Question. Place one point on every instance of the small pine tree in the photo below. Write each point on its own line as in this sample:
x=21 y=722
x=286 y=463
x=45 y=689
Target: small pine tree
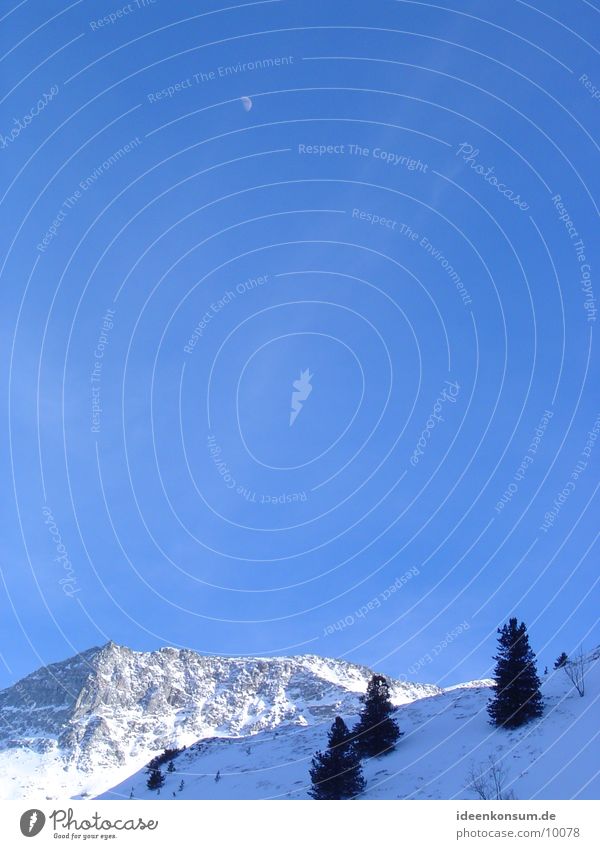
x=155 y=780
x=171 y=767
x=377 y=731
x=337 y=773
x=561 y=660
x=517 y=698
x=218 y=775
x=181 y=785
x=131 y=794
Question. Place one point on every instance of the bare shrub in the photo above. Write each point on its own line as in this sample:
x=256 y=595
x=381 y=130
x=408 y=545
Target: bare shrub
x=575 y=670
x=487 y=780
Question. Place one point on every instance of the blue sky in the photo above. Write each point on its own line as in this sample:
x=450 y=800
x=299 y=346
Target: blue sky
x=408 y=211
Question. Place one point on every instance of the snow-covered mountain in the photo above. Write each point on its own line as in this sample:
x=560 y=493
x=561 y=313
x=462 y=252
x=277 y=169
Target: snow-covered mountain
x=82 y=725
x=94 y=721
x=446 y=739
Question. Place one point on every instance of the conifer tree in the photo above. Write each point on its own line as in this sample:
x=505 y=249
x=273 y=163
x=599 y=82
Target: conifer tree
x=377 y=731
x=336 y=773
x=561 y=660
x=517 y=698
x=171 y=767
x=155 y=780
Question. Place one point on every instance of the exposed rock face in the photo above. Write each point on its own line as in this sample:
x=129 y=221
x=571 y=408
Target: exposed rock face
x=111 y=708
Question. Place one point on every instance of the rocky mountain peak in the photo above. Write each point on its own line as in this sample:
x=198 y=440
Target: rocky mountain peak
x=111 y=706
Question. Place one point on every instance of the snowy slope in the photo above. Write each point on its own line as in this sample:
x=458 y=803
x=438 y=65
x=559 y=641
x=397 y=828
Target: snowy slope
x=84 y=724
x=446 y=735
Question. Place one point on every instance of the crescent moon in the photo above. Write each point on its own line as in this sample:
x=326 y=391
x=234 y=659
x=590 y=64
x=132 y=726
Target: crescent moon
x=246 y=103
